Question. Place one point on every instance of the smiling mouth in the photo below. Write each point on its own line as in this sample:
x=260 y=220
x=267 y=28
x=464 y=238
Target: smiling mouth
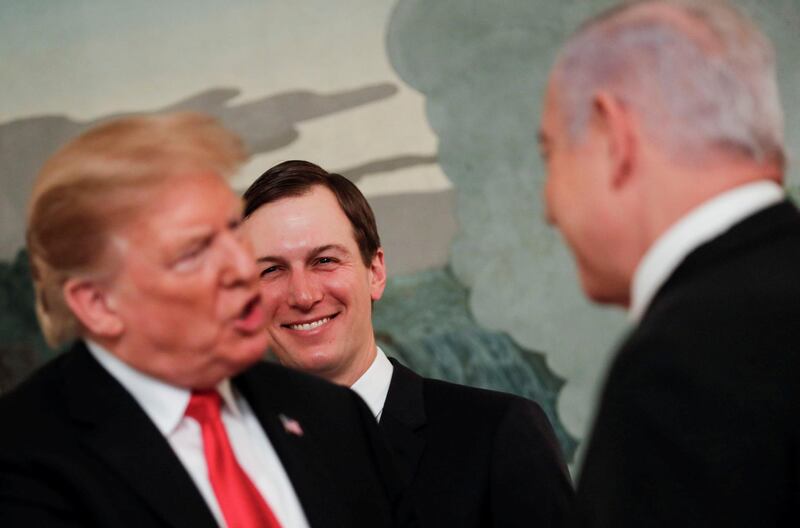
x=310 y=325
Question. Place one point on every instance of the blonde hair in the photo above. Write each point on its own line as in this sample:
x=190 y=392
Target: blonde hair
x=95 y=183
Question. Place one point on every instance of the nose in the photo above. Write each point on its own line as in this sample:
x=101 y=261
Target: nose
x=304 y=291
x=239 y=266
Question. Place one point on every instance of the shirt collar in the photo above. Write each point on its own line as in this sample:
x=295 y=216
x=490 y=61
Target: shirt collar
x=700 y=225
x=163 y=403
x=373 y=385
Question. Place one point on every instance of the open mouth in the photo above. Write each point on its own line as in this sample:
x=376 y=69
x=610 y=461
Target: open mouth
x=251 y=317
x=249 y=307
x=307 y=326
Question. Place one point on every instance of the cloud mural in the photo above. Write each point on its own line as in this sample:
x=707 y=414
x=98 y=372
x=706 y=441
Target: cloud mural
x=482 y=67
x=265 y=124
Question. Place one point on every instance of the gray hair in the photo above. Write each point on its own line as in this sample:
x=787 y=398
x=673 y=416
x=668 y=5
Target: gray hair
x=699 y=74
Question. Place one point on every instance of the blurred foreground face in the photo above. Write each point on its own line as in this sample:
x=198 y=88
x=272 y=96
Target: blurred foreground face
x=317 y=291
x=187 y=287
x=578 y=200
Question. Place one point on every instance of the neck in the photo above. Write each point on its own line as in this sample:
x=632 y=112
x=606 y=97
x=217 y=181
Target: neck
x=669 y=193
x=361 y=363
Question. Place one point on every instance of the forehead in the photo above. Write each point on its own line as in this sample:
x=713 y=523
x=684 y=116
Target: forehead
x=183 y=204
x=306 y=221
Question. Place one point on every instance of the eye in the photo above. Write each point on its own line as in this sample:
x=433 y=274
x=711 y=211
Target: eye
x=194 y=251
x=267 y=271
x=327 y=260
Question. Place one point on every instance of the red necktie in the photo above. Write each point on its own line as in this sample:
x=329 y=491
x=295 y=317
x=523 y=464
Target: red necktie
x=240 y=501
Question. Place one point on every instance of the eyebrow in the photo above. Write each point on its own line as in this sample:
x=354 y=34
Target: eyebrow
x=185 y=237
x=311 y=254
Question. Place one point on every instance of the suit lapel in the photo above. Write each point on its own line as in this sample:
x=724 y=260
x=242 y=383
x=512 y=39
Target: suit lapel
x=119 y=432
x=403 y=421
x=295 y=451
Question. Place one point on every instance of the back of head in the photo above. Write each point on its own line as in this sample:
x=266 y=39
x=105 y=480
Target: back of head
x=296 y=178
x=698 y=74
x=95 y=184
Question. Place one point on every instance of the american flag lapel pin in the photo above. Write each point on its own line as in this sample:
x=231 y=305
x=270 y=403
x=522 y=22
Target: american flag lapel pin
x=290 y=425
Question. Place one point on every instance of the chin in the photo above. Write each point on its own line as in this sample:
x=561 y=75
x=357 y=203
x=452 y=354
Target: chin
x=250 y=352
x=603 y=292
x=318 y=363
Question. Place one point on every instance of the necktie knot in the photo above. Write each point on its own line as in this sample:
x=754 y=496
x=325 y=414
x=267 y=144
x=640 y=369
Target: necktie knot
x=204 y=406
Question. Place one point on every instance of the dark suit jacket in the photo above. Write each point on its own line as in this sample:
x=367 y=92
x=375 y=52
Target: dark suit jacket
x=77 y=450
x=473 y=457
x=699 y=424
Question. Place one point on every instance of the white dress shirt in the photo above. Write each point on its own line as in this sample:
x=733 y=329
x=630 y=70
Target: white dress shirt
x=700 y=225
x=373 y=385
x=166 y=404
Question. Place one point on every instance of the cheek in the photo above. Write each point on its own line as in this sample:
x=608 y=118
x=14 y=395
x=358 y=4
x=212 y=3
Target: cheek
x=559 y=191
x=346 y=288
x=273 y=295
x=192 y=301
x=549 y=202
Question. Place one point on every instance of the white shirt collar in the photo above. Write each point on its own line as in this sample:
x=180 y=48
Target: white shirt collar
x=373 y=385
x=700 y=225
x=163 y=403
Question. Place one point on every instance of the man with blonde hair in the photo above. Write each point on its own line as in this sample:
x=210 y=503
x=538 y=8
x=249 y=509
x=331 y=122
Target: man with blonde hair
x=662 y=137
x=160 y=413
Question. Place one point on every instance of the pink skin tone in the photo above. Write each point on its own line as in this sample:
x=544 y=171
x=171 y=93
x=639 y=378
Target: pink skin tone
x=586 y=196
x=317 y=291
x=614 y=192
x=184 y=304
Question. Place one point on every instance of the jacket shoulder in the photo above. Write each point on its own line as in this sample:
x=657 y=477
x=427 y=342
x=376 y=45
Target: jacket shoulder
x=462 y=401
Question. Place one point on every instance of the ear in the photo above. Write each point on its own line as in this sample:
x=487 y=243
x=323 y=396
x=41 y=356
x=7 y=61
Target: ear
x=90 y=304
x=377 y=275
x=616 y=121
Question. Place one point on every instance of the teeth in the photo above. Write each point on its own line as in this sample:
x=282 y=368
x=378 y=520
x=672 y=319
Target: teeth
x=310 y=326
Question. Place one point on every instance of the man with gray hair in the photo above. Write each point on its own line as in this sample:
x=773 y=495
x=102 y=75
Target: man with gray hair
x=662 y=137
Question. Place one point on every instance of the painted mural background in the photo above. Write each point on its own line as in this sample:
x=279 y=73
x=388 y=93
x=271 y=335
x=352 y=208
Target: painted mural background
x=431 y=107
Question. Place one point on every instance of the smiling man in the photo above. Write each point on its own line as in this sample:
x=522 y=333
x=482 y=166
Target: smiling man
x=470 y=457
x=160 y=413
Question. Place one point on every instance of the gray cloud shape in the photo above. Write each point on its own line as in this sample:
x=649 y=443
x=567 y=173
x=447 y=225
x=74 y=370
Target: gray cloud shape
x=482 y=67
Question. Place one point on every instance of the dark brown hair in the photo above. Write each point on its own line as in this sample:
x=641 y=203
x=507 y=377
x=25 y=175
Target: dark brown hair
x=296 y=178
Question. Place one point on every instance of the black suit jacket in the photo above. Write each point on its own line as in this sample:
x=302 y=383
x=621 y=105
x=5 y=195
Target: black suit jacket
x=473 y=457
x=77 y=450
x=699 y=424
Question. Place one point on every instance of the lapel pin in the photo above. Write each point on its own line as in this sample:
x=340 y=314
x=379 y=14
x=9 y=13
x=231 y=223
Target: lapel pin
x=290 y=425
